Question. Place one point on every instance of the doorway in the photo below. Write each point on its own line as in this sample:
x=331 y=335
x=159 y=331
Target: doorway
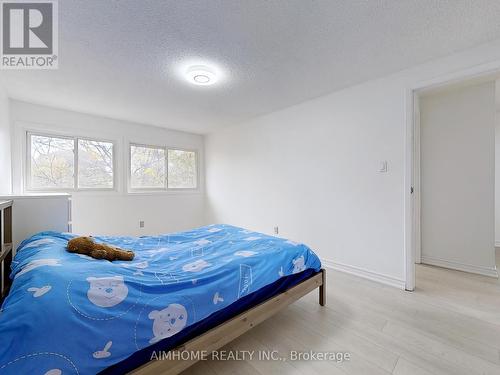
x=453 y=181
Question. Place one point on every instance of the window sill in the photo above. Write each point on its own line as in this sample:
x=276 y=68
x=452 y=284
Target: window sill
x=165 y=192
x=104 y=193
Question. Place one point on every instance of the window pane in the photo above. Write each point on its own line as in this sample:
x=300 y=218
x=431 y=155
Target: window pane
x=52 y=162
x=95 y=164
x=147 y=166
x=181 y=169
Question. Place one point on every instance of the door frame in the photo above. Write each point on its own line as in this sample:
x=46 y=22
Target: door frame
x=412 y=198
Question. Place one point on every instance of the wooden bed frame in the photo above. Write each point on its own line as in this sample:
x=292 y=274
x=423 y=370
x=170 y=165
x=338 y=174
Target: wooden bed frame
x=226 y=332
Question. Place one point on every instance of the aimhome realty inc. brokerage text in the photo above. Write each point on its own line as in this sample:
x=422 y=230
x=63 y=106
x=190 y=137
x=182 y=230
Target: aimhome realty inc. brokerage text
x=248 y=355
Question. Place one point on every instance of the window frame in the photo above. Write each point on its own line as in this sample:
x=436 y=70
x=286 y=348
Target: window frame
x=165 y=188
x=75 y=139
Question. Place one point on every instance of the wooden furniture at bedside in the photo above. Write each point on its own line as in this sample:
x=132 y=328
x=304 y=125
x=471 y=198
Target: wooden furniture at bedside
x=5 y=246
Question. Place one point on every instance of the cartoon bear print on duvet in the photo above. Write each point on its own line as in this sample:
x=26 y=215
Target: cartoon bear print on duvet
x=106 y=291
x=196 y=266
x=299 y=264
x=168 y=322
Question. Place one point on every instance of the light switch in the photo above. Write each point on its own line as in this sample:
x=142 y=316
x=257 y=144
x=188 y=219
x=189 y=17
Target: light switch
x=383 y=166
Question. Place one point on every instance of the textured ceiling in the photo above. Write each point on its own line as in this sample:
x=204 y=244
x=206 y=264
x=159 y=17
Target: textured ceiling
x=121 y=58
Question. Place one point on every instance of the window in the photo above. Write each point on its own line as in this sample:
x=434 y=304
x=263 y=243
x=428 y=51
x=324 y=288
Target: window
x=53 y=161
x=95 y=164
x=181 y=169
x=147 y=167
x=159 y=168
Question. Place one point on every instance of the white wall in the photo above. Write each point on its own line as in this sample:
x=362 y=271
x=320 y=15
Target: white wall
x=458 y=178
x=115 y=212
x=312 y=169
x=5 y=135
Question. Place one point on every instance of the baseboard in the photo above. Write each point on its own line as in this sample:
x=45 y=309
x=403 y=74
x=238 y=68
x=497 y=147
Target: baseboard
x=364 y=273
x=480 y=270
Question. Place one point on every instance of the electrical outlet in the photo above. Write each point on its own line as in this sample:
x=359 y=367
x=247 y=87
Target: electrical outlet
x=276 y=230
x=141 y=224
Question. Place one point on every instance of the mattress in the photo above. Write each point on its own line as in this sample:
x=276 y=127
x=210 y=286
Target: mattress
x=68 y=313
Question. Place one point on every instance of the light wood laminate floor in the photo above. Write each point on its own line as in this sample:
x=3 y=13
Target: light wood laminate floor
x=449 y=325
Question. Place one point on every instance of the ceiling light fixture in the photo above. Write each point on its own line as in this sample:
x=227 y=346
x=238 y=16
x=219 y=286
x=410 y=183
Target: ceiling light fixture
x=201 y=75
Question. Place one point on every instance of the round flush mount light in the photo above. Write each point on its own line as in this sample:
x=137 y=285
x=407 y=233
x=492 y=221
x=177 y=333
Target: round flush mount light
x=201 y=75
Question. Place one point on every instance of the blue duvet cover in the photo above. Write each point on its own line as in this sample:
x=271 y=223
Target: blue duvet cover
x=71 y=314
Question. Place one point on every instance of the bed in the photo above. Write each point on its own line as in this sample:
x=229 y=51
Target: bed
x=195 y=290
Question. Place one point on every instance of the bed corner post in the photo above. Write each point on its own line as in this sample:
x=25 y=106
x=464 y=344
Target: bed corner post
x=322 y=288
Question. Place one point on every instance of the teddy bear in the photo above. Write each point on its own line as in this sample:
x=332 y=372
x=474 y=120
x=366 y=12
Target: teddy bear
x=87 y=246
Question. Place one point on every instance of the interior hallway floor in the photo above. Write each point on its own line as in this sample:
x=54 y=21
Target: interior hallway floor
x=449 y=325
